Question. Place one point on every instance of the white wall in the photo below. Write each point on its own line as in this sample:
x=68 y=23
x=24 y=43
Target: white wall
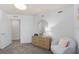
x=27 y=29
x=37 y=19
x=61 y=24
x=5 y=30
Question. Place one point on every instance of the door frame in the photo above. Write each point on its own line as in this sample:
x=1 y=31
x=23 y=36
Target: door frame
x=19 y=20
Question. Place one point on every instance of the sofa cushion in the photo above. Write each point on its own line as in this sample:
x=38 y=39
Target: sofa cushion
x=63 y=42
x=57 y=49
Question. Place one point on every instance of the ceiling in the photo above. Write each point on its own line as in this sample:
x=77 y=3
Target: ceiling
x=32 y=8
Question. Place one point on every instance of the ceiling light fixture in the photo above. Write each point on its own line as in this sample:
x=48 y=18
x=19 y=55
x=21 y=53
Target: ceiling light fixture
x=20 y=6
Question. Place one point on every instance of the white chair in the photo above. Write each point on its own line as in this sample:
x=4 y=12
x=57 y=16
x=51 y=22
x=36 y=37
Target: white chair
x=70 y=49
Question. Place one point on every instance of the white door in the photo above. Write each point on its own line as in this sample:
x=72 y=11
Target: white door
x=15 y=29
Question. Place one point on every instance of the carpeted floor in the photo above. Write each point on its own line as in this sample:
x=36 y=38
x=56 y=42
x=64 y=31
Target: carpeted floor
x=17 y=48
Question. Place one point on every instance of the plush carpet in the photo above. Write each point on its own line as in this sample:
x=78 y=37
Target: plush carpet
x=18 y=48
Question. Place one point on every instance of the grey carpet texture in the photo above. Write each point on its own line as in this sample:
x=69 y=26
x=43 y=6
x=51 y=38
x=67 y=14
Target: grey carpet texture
x=17 y=48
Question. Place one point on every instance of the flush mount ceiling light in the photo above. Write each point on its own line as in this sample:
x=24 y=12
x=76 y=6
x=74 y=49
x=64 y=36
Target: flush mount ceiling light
x=20 y=6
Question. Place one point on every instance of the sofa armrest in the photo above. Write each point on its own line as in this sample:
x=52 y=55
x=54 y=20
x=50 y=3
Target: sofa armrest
x=54 y=42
